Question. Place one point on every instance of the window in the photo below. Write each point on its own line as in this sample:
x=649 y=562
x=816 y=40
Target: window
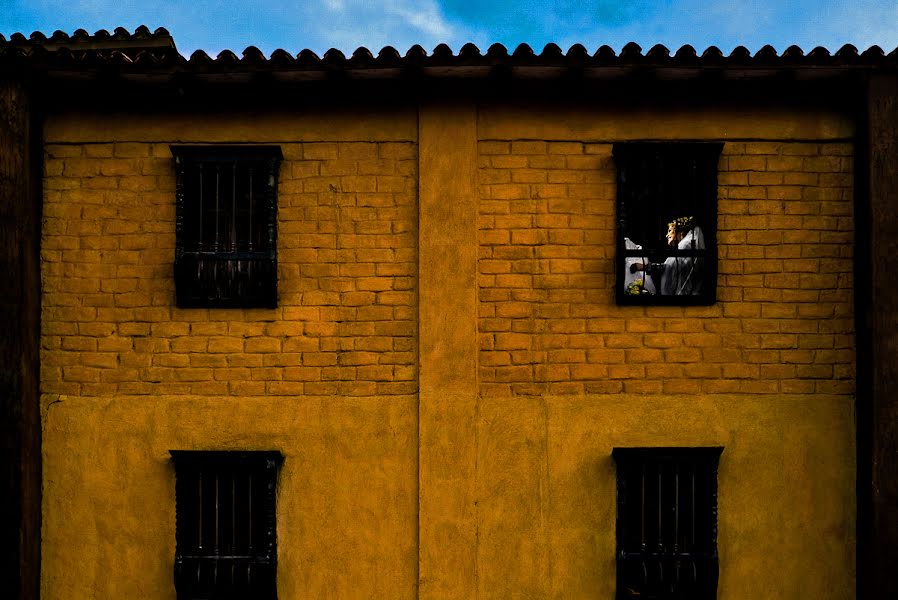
x=226 y=541
x=667 y=222
x=226 y=248
x=667 y=523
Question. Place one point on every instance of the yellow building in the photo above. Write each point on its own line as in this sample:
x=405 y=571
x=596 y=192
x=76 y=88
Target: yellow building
x=445 y=355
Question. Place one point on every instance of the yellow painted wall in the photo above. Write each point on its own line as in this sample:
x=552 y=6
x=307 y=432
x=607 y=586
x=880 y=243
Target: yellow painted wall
x=447 y=373
x=328 y=378
x=565 y=375
x=346 y=502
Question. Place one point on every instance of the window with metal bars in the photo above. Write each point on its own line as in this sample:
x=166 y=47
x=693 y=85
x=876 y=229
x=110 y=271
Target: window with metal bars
x=667 y=523
x=226 y=540
x=226 y=247
x=666 y=222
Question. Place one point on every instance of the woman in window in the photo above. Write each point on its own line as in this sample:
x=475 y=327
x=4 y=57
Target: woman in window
x=679 y=275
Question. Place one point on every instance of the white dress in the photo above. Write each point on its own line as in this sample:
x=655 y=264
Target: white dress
x=684 y=275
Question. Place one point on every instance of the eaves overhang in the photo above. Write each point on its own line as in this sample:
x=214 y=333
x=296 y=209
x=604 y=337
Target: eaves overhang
x=153 y=54
x=124 y=67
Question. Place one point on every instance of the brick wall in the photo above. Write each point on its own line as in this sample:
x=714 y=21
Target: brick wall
x=347 y=262
x=547 y=319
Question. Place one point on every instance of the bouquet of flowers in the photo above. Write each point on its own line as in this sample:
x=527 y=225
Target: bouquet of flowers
x=637 y=288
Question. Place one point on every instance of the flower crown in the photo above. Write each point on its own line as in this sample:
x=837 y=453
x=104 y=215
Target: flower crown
x=683 y=224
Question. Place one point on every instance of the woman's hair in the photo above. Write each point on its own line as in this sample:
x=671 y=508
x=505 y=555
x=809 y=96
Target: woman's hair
x=682 y=225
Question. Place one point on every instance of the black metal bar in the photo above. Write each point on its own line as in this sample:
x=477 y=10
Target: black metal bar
x=250 y=236
x=642 y=508
x=665 y=252
x=199 y=504
x=200 y=238
x=217 y=198
x=271 y=207
x=233 y=243
x=660 y=524
x=249 y=520
x=226 y=256
x=693 y=507
x=216 y=515
x=233 y=513
x=221 y=557
x=666 y=555
x=676 y=538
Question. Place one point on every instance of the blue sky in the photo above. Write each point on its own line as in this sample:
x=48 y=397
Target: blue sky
x=213 y=25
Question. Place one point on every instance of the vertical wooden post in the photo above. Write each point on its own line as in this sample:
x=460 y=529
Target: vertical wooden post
x=20 y=452
x=877 y=347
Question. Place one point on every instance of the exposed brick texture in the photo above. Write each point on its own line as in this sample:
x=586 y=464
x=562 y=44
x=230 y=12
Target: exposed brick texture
x=548 y=322
x=345 y=324
x=347 y=262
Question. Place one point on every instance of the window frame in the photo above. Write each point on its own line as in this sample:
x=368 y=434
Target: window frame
x=190 y=290
x=627 y=460
x=189 y=558
x=632 y=156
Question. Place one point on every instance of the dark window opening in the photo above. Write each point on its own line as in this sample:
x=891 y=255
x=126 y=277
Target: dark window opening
x=226 y=540
x=226 y=251
x=667 y=523
x=667 y=222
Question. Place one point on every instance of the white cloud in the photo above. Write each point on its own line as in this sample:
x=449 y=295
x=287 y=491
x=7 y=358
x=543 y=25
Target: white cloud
x=378 y=23
x=212 y=25
x=347 y=24
x=425 y=16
